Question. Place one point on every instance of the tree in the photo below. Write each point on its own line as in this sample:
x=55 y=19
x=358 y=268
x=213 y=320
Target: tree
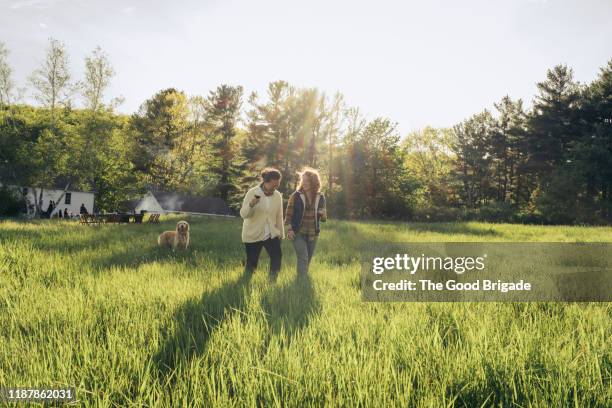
x=593 y=149
x=554 y=128
x=429 y=160
x=7 y=85
x=53 y=89
x=290 y=130
x=253 y=144
x=312 y=117
x=222 y=115
x=52 y=80
x=111 y=173
x=335 y=121
x=472 y=147
x=375 y=180
x=509 y=150
x=275 y=134
x=94 y=131
x=98 y=73
x=47 y=161
x=552 y=123
x=167 y=143
x=8 y=124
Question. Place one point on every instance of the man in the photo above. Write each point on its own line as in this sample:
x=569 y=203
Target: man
x=262 y=212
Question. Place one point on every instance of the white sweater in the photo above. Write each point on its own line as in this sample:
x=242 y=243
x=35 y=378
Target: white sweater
x=256 y=217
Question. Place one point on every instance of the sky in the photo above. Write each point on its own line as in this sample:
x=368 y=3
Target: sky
x=418 y=63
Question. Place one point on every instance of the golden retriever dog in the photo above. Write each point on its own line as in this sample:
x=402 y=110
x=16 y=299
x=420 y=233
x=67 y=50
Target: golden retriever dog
x=175 y=239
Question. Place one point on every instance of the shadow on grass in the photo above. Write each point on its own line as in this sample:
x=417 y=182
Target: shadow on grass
x=144 y=249
x=108 y=246
x=75 y=238
x=289 y=308
x=38 y=238
x=195 y=321
x=139 y=253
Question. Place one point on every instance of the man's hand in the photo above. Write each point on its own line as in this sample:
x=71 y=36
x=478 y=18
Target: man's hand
x=254 y=202
x=290 y=235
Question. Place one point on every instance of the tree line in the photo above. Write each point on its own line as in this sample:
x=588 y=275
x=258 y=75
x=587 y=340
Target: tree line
x=551 y=163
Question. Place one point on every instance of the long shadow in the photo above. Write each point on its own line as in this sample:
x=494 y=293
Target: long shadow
x=75 y=238
x=50 y=238
x=110 y=246
x=20 y=235
x=195 y=322
x=144 y=249
x=289 y=308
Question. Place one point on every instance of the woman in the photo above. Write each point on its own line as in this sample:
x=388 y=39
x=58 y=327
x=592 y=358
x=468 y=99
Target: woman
x=305 y=208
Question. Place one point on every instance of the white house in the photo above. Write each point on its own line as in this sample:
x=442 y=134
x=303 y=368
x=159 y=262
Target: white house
x=71 y=201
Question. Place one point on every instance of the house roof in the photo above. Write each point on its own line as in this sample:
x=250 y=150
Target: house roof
x=56 y=188
x=191 y=203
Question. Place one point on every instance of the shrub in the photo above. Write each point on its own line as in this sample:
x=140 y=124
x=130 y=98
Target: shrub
x=11 y=202
x=496 y=212
x=438 y=214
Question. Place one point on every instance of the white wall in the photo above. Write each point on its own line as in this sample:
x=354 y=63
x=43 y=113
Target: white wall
x=77 y=198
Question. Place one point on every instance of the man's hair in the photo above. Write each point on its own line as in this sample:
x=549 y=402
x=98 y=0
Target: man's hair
x=270 y=173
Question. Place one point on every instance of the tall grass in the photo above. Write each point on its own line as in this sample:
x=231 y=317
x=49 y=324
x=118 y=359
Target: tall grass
x=128 y=324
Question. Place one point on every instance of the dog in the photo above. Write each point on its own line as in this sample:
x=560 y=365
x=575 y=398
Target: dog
x=175 y=239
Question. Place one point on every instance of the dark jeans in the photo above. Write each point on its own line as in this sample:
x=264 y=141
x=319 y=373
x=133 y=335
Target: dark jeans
x=273 y=248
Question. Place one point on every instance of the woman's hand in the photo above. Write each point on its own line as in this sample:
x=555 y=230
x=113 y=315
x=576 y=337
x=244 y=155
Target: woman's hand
x=323 y=214
x=290 y=235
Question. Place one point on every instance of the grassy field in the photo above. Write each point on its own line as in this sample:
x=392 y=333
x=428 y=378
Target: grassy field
x=104 y=310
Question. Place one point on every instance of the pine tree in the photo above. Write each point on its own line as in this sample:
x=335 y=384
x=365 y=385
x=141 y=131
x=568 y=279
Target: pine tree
x=222 y=115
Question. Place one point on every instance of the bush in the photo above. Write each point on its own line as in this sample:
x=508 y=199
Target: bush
x=491 y=212
x=439 y=214
x=558 y=199
x=11 y=202
x=336 y=203
x=528 y=217
x=496 y=212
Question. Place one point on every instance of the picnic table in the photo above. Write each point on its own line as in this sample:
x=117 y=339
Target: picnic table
x=117 y=218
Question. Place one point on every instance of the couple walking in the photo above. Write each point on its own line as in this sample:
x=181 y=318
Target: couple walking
x=263 y=225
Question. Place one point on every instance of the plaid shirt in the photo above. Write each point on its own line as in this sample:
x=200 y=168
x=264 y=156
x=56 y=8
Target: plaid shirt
x=308 y=227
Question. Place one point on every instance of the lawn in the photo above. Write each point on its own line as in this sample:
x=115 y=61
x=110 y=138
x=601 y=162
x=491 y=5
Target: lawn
x=104 y=310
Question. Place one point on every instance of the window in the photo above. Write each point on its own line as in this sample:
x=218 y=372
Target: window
x=67 y=198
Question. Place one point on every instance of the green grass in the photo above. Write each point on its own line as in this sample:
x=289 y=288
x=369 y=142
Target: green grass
x=128 y=324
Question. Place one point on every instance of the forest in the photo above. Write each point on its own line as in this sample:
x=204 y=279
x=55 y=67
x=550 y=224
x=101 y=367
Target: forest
x=548 y=163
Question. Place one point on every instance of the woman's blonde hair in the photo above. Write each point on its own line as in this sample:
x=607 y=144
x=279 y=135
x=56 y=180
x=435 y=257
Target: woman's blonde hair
x=313 y=176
